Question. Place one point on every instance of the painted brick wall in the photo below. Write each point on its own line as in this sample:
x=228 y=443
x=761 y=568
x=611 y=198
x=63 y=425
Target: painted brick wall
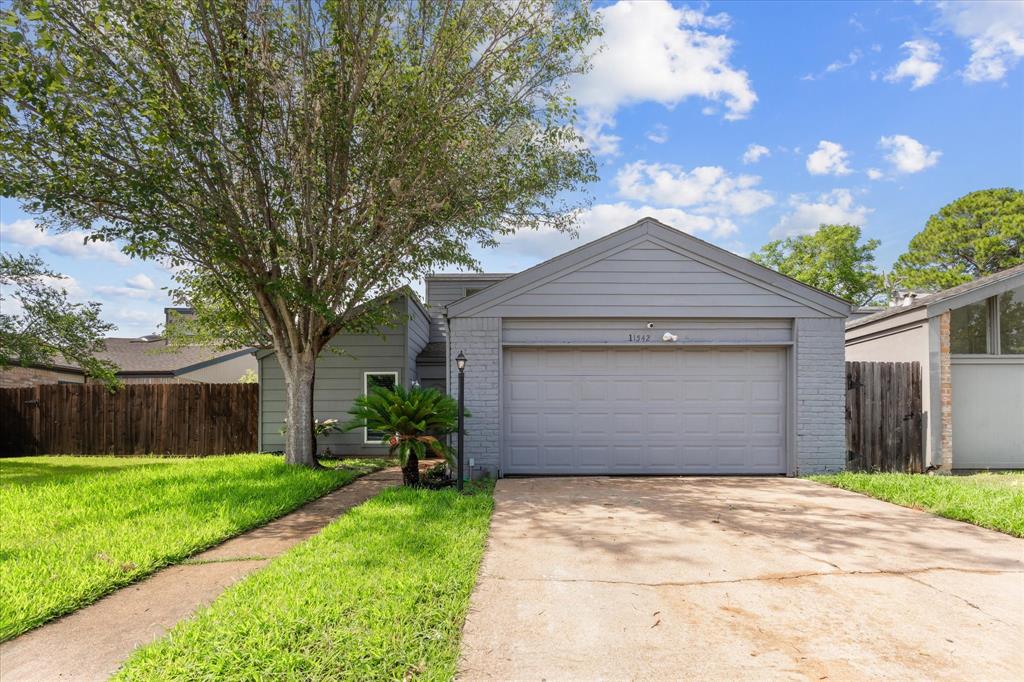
x=945 y=394
x=821 y=395
x=480 y=339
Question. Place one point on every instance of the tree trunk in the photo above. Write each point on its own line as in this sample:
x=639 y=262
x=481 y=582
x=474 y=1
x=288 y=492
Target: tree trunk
x=300 y=445
x=411 y=470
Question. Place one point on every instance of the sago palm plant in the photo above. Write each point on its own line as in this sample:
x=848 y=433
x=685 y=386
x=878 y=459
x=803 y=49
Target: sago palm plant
x=412 y=422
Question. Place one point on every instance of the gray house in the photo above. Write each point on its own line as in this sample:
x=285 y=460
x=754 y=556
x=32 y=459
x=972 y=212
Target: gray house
x=351 y=365
x=970 y=343
x=648 y=351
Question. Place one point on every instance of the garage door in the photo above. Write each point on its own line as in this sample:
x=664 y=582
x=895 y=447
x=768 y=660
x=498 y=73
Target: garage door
x=644 y=410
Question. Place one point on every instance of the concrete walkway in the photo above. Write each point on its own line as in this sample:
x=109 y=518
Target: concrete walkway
x=734 y=579
x=90 y=644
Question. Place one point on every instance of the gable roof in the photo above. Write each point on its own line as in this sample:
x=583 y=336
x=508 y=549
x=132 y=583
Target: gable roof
x=962 y=294
x=650 y=230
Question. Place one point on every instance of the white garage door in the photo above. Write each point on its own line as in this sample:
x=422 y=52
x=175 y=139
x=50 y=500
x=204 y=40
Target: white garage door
x=644 y=410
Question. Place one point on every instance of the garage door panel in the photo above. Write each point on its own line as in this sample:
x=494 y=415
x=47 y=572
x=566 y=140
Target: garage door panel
x=766 y=391
x=766 y=424
x=732 y=423
x=636 y=410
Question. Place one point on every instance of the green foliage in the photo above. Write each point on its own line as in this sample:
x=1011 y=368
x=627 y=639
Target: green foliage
x=832 y=259
x=296 y=159
x=380 y=594
x=978 y=234
x=88 y=525
x=48 y=327
x=413 y=421
x=993 y=500
x=250 y=377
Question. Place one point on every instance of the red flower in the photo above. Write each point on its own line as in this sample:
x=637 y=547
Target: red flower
x=393 y=441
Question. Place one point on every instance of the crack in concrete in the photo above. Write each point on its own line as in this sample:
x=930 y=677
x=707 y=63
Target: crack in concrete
x=769 y=578
x=963 y=599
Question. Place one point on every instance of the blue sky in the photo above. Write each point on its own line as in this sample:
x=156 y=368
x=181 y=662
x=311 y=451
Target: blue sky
x=739 y=123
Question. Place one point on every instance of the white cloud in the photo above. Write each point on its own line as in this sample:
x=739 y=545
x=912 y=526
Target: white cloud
x=138 y=287
x=658 y=134
x=25 y=233
x=875 y=174
x=755 y=152
x=594 y=136
x=995 y=31
x=907 y=155
x=852 y=58
x=829 y=159
x=807 y=215
x=654 y=52
x=708 y=190
x=922 y=64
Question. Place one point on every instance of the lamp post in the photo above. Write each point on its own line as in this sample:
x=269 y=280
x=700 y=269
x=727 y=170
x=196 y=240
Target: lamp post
x=460 y=362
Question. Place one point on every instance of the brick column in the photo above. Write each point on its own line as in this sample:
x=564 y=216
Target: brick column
x=820 y=395
x=946 y=395
x=480 y=339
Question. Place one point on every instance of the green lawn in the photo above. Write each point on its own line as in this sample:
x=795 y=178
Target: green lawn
x=76 y=528
x=380 y=594
x=992 y=500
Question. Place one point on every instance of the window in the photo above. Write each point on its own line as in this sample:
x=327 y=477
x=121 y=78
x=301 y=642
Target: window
x=372 y=380
x=471 y=291
x=1011 y=322
x=968 y=329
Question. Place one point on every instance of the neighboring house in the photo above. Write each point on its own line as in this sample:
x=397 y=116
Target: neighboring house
x=970 y=343
x=145 y=360
x=348 y=367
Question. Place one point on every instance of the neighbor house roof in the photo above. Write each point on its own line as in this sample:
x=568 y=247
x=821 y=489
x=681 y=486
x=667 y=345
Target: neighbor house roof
x=152 y=355
x=947 y=296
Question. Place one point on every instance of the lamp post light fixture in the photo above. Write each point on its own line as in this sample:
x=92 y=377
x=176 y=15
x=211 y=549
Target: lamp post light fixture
x=460 y=362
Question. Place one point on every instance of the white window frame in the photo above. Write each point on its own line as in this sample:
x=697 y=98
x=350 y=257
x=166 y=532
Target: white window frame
x=366 y=391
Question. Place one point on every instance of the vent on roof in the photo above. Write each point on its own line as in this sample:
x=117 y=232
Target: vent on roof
x=901 y=299
x=149 y=338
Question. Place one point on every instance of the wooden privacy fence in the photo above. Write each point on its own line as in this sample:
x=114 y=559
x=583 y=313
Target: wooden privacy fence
x=883 y=417
x=137 y=419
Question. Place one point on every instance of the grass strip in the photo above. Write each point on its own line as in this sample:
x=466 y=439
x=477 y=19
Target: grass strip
x=77 y=528
x=381 y=593
x=990 y=500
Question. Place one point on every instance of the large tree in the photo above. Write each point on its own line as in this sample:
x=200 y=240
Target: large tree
x=39 y=324
x=978 y=234
x=832 y=259
x=298 y=159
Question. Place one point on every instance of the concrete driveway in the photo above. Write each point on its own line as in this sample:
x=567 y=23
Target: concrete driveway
x=737 y=578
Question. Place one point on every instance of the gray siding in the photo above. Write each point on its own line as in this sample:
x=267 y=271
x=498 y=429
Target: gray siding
x=646 y=279
x=418 y=333
x=442 y=290
x=618 y=331
x=820 y=396
x=339 y=379
x=988 y=408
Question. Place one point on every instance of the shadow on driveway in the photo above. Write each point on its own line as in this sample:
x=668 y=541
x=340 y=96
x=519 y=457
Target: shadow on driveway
x=625 y=578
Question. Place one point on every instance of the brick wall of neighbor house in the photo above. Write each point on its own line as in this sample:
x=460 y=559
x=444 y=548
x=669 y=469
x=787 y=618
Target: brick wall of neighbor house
x=20 y=377
x=480 y=339
x=821 y=395
x=945 y=394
